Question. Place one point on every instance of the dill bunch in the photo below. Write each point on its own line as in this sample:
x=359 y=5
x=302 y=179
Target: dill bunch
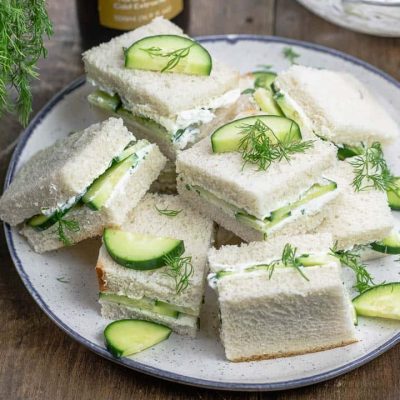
x=371 y=170
x=180 y=269
x=260 y=145
x=23 y=24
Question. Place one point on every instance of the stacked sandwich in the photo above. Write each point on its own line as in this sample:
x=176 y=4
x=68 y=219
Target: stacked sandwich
x=84 y=182
x=174 y=109
x=154 y=266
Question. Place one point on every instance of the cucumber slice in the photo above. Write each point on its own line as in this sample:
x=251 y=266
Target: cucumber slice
x=105 y=101
x=263 y=79
x=393 y=195
x=130 y=336
x=266 y=102
x=389 y=245
x=311 y=260
x=144 y=303
x=227 y=138
x=42 y=222
x=100 y=190
x=354 y=315
x=132 y=148
x=169 y=53
x=380 y=301
x=138 y=251
x=349 y=151
x=221 y=274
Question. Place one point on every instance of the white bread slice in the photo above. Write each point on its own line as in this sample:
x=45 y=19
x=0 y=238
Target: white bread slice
x=65 y=169
x=185 y=324
x=91 y=223
x=151 y=93
x=286 y=314
x=197 y=233
x=356 y=218
x=257 y=192
x=340 y=107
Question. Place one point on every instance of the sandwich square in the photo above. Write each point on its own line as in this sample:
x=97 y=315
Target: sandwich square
x=267 y=316
x=155 y=285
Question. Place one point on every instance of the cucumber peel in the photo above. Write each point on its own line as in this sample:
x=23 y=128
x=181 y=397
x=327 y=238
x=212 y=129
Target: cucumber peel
x=140 y=251
x=388 y=245
x=393 y=194
x=129 y=336
x=379 y=301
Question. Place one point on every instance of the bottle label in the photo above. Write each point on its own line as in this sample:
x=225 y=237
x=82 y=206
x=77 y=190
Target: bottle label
x=130 y=14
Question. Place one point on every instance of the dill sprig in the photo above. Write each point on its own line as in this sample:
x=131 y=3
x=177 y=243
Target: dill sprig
x=259 y=145
x=352 y=259
x=174 y=57
x=290 y=55
x=167 y=212
x=65 y=224
x=289 y=259
x=371 y=170
x=23 y=24
x=180 y=269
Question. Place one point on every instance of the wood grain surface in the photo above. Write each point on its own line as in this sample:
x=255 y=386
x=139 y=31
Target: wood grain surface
x=39 y=361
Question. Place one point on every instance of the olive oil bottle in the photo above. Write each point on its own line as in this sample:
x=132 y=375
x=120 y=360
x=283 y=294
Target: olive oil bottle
x=101 y=20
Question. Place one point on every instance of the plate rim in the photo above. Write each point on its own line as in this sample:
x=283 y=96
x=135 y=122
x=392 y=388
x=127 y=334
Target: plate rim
x=144 y=368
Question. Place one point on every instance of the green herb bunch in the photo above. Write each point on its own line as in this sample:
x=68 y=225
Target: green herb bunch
x=259 y=145
x=180 y=269
x=23 y=23
x=371 y=170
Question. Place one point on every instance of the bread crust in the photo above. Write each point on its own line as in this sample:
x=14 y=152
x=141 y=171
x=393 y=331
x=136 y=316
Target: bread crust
x=101 y=275
x=261 y=357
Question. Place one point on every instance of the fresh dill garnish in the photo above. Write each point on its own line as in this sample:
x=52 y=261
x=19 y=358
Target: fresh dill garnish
x=174 y=57
x=371 y=170
x=180 y=269
x=290 y=55
x=68 y=224
x=23 y=24
x=289 y=259
x=63 y=279
x=352 y=259
x=167 y=212
x=259 y=145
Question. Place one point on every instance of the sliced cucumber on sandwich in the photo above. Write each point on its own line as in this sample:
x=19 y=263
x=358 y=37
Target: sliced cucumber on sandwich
x=130 y=336
x=265 y=100
x=393 y=194
x=388 y=245
x=139 y=251
x=263 y=79
x=346 y=151
x=379 y=301
x=169 y=53
x=101 y=189
x=228 y=137
x=104 y=100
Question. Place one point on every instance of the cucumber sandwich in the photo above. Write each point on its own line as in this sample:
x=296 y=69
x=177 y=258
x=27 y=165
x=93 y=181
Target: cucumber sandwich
x=281 y=297
x=153 y=267
x=277 y=185
x=360 y=217
x=163 y=83
x=335 y=106
x=73 y=189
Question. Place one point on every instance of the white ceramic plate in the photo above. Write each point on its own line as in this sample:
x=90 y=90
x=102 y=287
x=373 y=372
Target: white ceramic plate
x=64 y=284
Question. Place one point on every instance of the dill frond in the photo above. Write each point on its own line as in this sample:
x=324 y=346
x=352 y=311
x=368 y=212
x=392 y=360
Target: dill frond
x=167 y=212
x=180 y=269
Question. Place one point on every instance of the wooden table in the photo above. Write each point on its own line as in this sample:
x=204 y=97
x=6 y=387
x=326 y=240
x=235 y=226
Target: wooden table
x=39 y=361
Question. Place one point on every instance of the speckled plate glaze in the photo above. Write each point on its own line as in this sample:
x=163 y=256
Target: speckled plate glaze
x=64 y=284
